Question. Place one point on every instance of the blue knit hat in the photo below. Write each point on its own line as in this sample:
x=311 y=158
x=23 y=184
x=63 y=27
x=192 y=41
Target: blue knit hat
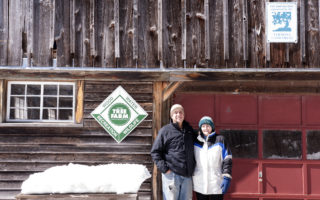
x=206 y=120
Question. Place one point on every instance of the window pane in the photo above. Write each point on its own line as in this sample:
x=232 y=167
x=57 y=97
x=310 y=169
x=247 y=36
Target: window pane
x=65 y=102
x=243 y=143
x=33 y=113
x=33 y=101
x=65 y=114
x=17 y=89
x=49 y=114
x=50 y=90
x=280 y=144
x=17 y=102
x=50 y=102
x=66 y=90
x=313 y=145
x=33 y=89
x=18 y=113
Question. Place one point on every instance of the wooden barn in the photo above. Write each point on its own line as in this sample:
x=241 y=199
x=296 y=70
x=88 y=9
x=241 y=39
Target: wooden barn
x=60 y=59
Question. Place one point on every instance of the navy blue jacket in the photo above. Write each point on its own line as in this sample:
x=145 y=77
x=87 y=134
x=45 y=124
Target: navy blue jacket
x=173 y=149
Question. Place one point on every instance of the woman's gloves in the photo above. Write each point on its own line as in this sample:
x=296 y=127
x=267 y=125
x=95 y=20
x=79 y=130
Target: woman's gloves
x=225 y=184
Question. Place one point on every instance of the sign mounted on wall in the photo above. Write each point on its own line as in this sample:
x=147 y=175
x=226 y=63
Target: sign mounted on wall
x=281 y=22
x=119 y=114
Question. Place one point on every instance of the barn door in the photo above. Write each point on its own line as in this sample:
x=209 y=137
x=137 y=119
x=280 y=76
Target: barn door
x=273 y=141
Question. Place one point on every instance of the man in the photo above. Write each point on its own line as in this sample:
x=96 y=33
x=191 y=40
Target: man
x=172 y=152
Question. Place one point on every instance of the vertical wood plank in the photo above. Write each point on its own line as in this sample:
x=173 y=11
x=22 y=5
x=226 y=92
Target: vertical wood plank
x=62 y=32
x=302 y=31
x=226 y=29
x=108 y=24
x=42 y=33
x=148 y=38
x=183 y=30
x=92 y=30
x=72 y=26
x=15 y=33
x=1 y=99
x=267 y=43
x=135 y=30
x=52 y=23
x=4 y=32
x=30 y=30
x=116 y=29
x=245 y=29
x=287 y=55
x=156 y=125
x=207 y=29
x=160 y=31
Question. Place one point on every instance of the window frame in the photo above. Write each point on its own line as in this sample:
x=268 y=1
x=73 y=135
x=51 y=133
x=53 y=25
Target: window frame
x=77 y=107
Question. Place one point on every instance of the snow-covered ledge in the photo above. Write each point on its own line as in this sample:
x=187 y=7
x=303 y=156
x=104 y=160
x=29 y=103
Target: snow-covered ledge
x=82 y=181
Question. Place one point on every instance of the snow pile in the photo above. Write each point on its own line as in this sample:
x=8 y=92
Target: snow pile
x=75 y=178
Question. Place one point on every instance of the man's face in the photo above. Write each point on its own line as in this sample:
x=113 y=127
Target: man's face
x=177 y=116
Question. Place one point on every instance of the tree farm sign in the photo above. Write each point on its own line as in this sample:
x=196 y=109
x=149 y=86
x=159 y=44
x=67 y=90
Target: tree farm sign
x=119 y=114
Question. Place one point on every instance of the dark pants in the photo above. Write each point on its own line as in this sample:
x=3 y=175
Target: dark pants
x=209 y=196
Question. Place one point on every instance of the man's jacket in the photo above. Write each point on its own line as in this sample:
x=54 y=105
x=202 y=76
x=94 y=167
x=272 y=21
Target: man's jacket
x=173 y=149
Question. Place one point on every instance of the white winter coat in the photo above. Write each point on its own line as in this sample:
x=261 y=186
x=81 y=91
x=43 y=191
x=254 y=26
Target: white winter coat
x=213 y=161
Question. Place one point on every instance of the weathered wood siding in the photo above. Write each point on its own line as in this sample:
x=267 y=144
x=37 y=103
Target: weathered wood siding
x=26 y=150
x=152 y=34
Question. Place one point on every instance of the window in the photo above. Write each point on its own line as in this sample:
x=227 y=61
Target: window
x=243 y=143
x=282 y=144
x=313 y=145
x=40 y=101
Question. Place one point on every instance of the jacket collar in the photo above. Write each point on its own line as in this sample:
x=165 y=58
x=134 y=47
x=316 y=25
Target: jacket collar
x=202 y=138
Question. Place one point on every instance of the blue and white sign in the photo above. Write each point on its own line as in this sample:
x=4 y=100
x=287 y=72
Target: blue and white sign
x=281 y=22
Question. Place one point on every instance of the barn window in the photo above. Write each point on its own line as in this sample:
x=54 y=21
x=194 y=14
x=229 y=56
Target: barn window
x=313 y=146
x=40 y=101
x=243 y=143
x=282 y=144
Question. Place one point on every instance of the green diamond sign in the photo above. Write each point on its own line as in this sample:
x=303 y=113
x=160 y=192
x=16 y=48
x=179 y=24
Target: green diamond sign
x=119 y=114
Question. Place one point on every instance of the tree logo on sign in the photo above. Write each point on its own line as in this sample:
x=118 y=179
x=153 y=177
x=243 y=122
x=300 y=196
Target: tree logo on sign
x=119 y=114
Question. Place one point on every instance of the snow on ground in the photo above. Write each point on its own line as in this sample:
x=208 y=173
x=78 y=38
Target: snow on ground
x=76 y=178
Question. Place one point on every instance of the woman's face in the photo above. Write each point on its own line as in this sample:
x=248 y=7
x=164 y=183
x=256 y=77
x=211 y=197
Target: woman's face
x=206 y=129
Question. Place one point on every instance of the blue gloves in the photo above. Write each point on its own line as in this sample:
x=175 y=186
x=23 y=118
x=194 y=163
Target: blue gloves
x=225 y=184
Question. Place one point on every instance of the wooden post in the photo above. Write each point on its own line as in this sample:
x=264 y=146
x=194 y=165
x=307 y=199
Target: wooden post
x=157 y=123
x=79 y=108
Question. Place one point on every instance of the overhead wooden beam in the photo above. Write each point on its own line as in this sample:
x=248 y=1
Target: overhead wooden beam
x=170 y=89
x=129 y=74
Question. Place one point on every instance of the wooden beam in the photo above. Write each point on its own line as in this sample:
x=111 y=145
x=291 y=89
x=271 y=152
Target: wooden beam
x=157 y=123
x=235 y=87
x=129 y=74
x=170 y=89
x=80 y=99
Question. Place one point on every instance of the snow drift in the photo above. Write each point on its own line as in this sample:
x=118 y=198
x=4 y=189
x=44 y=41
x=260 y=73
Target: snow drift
x=75 y=178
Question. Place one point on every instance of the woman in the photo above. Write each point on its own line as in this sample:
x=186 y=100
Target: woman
x=212 y=175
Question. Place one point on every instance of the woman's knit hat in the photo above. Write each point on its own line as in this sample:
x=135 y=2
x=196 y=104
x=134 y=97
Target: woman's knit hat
x=206 y=120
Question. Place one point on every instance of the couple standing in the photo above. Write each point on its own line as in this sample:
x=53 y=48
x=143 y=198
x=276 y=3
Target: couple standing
x=189 y=162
